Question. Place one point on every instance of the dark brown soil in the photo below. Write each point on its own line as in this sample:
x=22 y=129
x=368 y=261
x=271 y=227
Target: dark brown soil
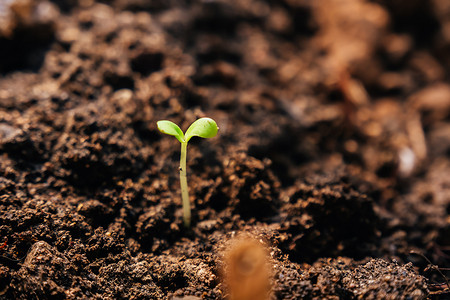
x=333 y=148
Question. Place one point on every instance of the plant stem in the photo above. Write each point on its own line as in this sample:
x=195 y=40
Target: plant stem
x=184 y=187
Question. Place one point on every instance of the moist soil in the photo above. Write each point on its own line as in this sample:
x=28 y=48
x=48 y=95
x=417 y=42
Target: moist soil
x=333 y=148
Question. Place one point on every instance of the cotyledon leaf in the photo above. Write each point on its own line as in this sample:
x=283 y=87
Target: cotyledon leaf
x=170 y=128
x=204 y=128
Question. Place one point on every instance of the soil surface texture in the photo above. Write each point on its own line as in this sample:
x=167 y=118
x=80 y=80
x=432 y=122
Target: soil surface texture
x=329 y=177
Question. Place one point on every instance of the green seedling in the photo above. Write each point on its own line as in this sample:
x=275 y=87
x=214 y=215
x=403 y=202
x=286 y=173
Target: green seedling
x=204 y=128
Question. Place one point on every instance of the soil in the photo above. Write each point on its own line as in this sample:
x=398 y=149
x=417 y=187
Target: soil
x=333 y=148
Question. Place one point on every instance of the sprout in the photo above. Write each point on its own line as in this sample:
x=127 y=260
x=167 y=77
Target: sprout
x=204 y=128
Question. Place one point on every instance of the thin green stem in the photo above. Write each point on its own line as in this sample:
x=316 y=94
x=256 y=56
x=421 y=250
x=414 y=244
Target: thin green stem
x=184 y=187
